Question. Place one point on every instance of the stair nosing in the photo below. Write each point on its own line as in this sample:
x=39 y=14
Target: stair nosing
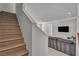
x=12 y=47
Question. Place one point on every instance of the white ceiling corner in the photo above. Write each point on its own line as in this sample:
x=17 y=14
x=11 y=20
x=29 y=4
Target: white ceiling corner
x=47 y=12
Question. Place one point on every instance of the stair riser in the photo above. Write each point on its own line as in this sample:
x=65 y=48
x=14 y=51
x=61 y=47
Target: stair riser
x=13 y=52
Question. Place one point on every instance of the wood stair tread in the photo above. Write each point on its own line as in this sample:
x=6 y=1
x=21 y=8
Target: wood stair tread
x=18 y=51
x=2 y=26
x=9 y=39
x=13 y=34
x=6 y=33
x=9 y=36
x=8 y=23
x=8 y=20
x=23 y=53
x=15 y=46
x=9 y=28
x=10 y=43
x=10 y=33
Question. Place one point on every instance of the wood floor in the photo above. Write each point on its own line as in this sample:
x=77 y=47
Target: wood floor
x=11 y=40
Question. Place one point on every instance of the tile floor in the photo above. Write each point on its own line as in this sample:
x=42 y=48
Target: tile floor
x=53 y=52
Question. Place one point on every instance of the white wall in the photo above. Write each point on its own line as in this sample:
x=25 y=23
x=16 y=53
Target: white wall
x=39 y=42
x=77 y=40
x=0 y=6
x=9 y=7
x=25 y=26
x=72 y=28
x=51 y=29
x=47 y=28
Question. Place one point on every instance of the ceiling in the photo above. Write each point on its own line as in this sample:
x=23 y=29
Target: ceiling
x=44 y=12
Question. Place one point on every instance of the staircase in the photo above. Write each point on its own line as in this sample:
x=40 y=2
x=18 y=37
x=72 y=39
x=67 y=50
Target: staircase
x=11 y=40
